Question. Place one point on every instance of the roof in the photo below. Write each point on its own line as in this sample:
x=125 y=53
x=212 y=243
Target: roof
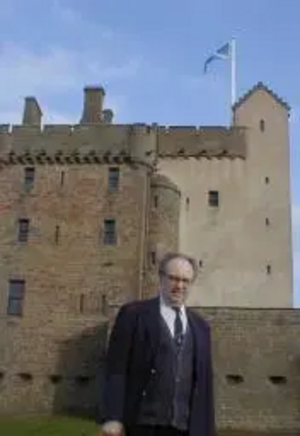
x=257 y=87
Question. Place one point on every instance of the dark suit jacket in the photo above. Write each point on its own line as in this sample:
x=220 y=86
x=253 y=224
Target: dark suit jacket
x=130 y=364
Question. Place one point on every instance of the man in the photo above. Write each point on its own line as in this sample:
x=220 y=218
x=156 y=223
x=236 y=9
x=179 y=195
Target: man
x=158 y=377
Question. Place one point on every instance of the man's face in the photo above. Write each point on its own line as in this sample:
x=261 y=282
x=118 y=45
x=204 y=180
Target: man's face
x=176 y=281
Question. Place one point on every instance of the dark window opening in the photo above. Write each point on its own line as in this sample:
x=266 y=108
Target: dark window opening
x=187 y=202
x=62 y=178
x=55 y=379
x=269 y=269
x=1 y=375
x=153 y=257
x=278 y=379
x=16 y=295
x=23 y=229
x=234 y=379
x=267 y=222
x=113 y=178
x=200 y=263
x=156 y=201
x=104 y=304
x=110 y=236
x=25 y=376
x=57 y=234
x=83 y=379
x=29 y=177
x=213 y=198
x=267 y=180
x=262 y=125
x=81 y=303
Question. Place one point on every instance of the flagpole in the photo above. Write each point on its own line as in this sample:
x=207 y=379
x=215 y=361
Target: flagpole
x=233 y=71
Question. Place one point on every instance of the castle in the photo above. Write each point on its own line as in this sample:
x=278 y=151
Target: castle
x=86 y=211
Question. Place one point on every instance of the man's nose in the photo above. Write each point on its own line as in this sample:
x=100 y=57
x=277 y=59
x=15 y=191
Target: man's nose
x=180 y=285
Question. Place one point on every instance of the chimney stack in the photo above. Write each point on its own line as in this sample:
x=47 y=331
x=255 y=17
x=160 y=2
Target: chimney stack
x=93 y=104
x=107 y=116
x=32 y=115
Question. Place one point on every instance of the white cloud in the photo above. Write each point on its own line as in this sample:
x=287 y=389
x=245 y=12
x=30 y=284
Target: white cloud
x=57 y=73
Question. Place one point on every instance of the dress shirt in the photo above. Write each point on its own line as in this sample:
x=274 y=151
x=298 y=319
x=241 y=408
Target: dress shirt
x=168 y=314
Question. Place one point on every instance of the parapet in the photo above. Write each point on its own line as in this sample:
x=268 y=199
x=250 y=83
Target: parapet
x=186 y=141
x=97 y=136
x=140 y=143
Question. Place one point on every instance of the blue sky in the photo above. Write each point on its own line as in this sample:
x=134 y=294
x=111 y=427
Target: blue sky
x=149 y=56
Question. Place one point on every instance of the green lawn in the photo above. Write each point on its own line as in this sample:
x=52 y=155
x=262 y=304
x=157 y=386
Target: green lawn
x=47 y=427
x=51 y=426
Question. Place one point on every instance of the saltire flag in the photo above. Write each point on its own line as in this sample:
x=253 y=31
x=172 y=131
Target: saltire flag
x=223 y=53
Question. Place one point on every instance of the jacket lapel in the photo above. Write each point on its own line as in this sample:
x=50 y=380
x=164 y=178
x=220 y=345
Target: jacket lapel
x=151 y=319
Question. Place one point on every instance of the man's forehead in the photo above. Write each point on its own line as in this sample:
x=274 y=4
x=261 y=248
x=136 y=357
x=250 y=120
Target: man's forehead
x=180 y=265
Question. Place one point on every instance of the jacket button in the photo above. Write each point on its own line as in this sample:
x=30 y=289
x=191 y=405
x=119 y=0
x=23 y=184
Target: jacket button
x=153 y=371
x=144 y=393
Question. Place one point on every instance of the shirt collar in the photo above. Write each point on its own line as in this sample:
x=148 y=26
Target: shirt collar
x=164 y=305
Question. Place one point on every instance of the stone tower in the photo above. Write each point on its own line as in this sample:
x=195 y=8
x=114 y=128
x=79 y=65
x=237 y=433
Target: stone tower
x=235 y=206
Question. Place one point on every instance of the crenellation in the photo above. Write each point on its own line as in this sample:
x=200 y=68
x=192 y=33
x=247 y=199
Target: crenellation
x=198 y=142
x=143 y=142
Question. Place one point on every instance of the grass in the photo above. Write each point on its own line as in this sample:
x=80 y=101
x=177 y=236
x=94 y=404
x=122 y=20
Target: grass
x=64 y=426
x=43 y=426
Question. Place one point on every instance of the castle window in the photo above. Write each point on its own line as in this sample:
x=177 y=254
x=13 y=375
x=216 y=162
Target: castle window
x=29 y=177
x=104 y=304
x=81 y=303
x=278 y=380
x=57 y=234
x=234 y=379
x=213 y=198
x=1 y=376
x=200 y=263
x=16 y=294
x=153 y=257
x=187 y=202
x=156 y=201
x=113 y=178
x=55 y=379
x=62 y=178
x=262 y=125
x=267 y=222
x=83 y=379
x=267 y=180
x=110 y=235
x=23 y=229
x=268 y=269
x=25 y=376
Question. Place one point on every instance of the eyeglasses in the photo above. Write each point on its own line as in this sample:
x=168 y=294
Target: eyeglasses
x=176 y=279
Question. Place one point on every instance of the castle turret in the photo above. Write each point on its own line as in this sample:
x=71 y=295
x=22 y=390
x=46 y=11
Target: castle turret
x=143 y=143
x=93 y=104
x=32 y=114
x=164 y=214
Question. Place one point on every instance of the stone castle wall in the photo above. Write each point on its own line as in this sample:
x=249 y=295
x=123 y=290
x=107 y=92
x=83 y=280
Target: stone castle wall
x=255 y=354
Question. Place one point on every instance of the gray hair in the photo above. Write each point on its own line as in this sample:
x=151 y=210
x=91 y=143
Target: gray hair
x=170 y=256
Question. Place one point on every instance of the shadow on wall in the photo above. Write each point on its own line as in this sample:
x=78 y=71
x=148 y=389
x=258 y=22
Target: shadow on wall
x=78 y=378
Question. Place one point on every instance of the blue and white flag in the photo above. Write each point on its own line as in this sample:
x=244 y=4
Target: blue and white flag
x=222 y=53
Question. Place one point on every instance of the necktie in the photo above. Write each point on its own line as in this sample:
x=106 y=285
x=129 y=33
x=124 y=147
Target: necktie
x=178 y=328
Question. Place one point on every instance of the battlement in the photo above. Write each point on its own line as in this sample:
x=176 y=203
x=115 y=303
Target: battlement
x=207 y=141
x=96 y=134
x=113 y=139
